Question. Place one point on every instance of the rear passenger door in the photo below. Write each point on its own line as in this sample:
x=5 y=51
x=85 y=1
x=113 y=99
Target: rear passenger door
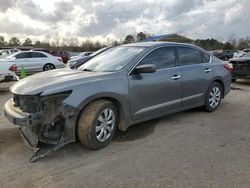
x=37 y=61
x=196 y=75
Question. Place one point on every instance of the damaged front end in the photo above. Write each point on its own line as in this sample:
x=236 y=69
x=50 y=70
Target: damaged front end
x=46 y=123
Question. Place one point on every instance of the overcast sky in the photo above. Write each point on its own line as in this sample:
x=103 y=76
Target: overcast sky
x=102 y=19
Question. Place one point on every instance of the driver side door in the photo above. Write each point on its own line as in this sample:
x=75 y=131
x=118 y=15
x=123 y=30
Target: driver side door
x=158 y=93
x=23 y=59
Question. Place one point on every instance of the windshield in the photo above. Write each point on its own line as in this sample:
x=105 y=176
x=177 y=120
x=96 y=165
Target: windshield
x=247 y=54
x=112 y=60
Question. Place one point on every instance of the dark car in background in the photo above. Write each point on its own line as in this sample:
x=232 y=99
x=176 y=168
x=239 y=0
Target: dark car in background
x=224 y=54
x=65 y=55
x=77 y=62
x=241 y=67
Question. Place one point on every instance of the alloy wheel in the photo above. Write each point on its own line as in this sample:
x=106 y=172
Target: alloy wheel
x=105 y=125
x=49 y=67
x=214 y=97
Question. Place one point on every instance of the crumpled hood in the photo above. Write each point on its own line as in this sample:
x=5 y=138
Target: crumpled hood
x=51 y=82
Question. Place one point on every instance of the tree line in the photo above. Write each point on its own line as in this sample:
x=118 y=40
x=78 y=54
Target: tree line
x=73 y=44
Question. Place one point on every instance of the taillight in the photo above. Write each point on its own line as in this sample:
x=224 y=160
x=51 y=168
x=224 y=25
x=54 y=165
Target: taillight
x=13 y=68
x=228 y=67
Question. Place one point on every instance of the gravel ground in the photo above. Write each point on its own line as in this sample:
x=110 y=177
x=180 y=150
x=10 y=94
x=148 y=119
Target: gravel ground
x=187 y=149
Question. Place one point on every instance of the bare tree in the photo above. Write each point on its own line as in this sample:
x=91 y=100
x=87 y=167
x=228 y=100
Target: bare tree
x=14 y=41
x=27 y=42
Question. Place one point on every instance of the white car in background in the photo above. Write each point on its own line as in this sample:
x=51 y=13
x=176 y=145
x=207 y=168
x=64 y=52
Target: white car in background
x=241 y=53
x=7 y=71
x=34 y=61
x=6 y=52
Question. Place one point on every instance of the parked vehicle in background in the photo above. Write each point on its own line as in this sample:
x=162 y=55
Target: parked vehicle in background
x=241 y=67
x=74 y=53
x=246 y=50
x=241 y=53
x=34 y=61
x=82 y=54
x=126 y=85
x=7 y=71
x=224 y=54
x=63 y=54
x=77 y=62
x=238 y=54
x=6 y=52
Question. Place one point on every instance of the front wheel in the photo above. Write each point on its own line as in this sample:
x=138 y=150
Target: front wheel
x=97 y=124
x=213 y=97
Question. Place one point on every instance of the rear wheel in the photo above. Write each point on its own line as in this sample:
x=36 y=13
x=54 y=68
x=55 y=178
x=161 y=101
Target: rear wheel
x=48 y=66
x=213 y=97
x=97 y=124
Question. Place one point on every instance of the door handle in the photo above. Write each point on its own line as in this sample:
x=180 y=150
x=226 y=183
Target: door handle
x=176 y=77
x=207 y=70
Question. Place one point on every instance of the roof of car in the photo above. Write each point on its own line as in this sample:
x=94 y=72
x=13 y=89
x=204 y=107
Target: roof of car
x=153 y=44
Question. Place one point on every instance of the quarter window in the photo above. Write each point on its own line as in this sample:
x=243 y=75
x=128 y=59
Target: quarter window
x=162 y=58
x=206 y=58
x=189 y=56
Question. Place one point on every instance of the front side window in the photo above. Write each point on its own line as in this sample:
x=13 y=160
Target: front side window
x=112 y=60
x=189 y=56
x=162 y=58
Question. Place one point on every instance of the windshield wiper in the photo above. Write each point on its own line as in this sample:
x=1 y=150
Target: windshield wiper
x=88 y=70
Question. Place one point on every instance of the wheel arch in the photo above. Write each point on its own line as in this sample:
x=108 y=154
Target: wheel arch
x=48 y=63
x=118 y=101
x=219 y=80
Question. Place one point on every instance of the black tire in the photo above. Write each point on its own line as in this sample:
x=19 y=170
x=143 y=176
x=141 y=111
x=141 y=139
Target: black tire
x=50 y=65
x=208 y=106
x=234 y=80
x=86 y=130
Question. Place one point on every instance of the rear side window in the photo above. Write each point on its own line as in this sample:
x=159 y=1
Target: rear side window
x=189 y=56
x=162 y=58
x=205 y=57
x=23 y=55
x=38 y=55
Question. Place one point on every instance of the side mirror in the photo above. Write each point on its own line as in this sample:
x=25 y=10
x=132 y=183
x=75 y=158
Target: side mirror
x=148 y=68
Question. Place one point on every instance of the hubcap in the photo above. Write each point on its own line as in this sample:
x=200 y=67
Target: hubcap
x=214 y=97
x=105 y=125
x=48 y=67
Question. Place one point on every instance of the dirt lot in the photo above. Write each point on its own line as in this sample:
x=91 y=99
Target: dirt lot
x=188 y=149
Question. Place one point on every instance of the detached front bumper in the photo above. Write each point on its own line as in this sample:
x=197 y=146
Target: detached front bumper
x=18 y=117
